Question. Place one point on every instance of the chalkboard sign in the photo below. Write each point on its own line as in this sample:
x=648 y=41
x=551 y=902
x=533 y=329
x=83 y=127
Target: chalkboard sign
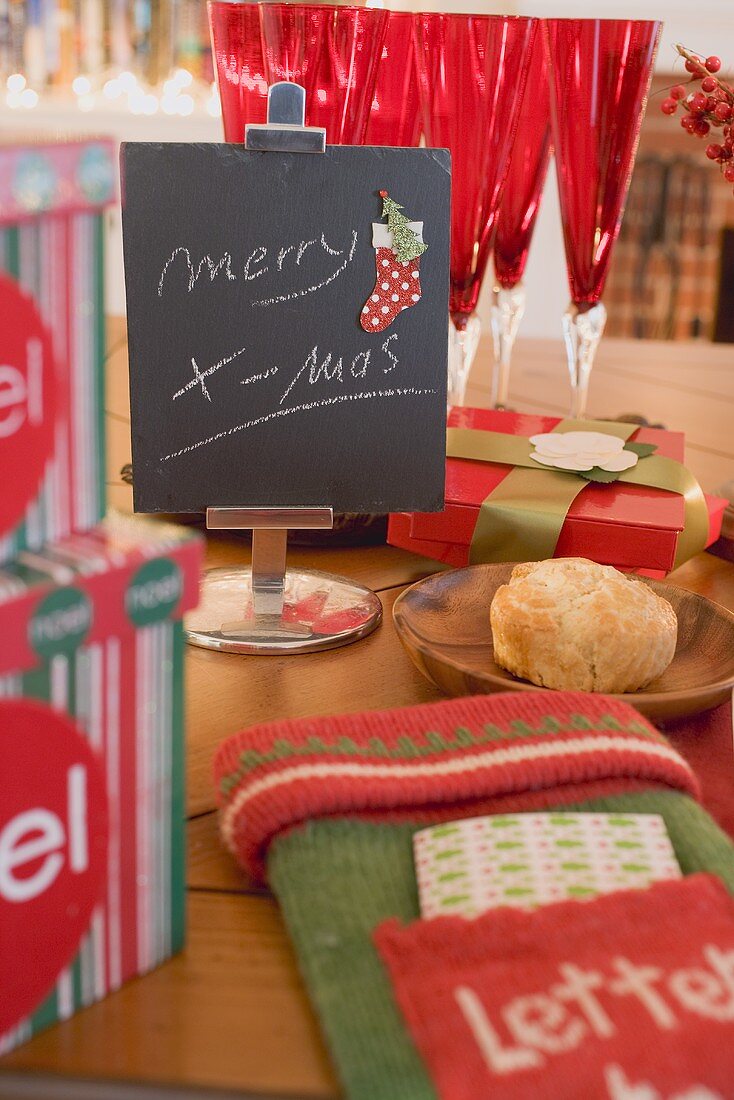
x=281 y=353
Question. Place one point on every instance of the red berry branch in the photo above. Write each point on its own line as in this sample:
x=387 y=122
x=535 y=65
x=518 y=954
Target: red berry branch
x=711 y=106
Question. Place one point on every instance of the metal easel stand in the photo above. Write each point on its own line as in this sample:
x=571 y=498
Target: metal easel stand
x=269 y=608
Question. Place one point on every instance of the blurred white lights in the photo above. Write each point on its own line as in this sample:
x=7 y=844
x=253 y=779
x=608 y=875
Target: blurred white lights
x=213 y=106
x=18 y=95
x=179 y=95
x=138 y=102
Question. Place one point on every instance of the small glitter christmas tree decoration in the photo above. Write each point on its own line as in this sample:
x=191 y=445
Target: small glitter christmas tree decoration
x=406 y=244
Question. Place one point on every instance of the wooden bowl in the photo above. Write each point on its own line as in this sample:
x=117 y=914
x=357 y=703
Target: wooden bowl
x=443 y=622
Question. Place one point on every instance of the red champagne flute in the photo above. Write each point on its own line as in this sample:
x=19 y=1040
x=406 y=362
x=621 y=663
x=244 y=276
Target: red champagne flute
x=334 y=53
x=395 y=115
x=472 y=71
x=237 y=49
x=600 y=72
x=531 y=153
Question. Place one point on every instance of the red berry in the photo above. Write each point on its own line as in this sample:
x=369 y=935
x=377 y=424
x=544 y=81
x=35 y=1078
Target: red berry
x=722 y=111
x=713 y=64
x=725 y=154
x=708 y=84
x=698 y=102
x=713 y=152
x=678 y=92
x=688 y=122
x=710 y=104
x=701 y=127
x=729 y=173
x=669 y=106
x=693 y=66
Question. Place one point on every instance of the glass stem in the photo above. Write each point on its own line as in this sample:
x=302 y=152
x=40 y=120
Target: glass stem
x=582 y=332
x=462 y=349
x=508 y=306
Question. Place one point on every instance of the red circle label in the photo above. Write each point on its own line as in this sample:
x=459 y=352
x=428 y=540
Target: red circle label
x=53 y=850
x=27 y=401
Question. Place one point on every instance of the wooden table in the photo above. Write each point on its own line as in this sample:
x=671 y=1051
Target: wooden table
x=231 y=1012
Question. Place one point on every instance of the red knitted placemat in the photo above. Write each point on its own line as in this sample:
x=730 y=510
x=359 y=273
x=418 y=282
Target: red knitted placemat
x=707 y=744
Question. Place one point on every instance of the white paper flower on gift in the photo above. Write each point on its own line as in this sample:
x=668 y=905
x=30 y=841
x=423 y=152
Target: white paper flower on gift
x=581 y=451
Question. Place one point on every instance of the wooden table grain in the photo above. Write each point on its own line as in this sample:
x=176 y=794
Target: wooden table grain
x=230 y=1012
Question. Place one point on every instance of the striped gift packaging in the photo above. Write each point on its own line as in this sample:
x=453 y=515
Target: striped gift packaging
x=52 y=201
x=92 y=627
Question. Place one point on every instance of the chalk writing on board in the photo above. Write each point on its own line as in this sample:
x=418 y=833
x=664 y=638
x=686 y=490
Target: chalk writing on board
x=317 y=286
x=386 y=349
x=317 y=367
x=331 y=368
x=199 y=376
x=254 y=267
x=410 y=391
x=207 y=262
x=259 y=377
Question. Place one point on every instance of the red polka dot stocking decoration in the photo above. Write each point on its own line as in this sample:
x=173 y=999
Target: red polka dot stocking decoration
x=398 y=247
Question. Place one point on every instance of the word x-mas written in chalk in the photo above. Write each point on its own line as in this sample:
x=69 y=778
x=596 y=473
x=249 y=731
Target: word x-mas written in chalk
x=316 y=368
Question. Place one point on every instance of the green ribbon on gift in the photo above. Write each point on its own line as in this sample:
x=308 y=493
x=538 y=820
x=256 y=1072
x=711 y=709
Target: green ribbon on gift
x=522 y=518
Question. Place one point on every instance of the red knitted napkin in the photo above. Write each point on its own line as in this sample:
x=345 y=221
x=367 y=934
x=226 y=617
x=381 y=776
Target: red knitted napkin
x=629 y=995
x=706 y=743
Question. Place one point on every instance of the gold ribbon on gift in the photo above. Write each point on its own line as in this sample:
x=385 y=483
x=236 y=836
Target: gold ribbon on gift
x=522 y=518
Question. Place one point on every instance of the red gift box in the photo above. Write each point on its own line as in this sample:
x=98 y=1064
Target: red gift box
x=632 y=527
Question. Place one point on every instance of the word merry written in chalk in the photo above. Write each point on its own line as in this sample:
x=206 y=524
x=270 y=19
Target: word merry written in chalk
x=261 y=261
x=586 y=1002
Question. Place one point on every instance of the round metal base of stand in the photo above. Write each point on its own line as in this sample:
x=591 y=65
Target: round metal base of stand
x=320 y=611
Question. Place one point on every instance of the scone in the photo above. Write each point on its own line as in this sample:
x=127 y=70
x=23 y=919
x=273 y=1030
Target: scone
x=573 y=625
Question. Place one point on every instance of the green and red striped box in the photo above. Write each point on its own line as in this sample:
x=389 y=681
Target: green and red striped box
x=91 y=627
x=52 y=201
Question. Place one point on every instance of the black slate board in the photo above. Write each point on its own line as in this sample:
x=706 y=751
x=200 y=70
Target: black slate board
x=204 y=226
